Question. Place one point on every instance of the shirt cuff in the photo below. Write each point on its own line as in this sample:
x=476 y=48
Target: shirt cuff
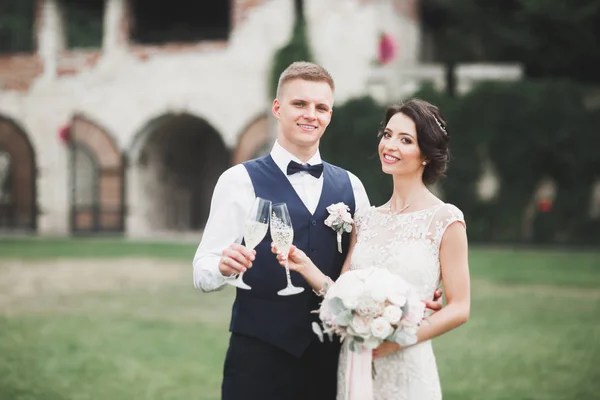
x=207 y=275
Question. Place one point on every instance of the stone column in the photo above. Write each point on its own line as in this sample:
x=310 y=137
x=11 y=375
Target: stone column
x=51 y=36
x=116 y=26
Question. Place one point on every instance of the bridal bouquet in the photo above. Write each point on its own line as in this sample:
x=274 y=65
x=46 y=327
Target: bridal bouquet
x=367 y=306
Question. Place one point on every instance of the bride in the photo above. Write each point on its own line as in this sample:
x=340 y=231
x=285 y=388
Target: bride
x=414 y=235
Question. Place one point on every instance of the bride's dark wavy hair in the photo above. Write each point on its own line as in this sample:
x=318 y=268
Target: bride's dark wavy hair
x=432 y=135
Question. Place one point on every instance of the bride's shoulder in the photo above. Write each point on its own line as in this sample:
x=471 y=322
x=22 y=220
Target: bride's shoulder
x=448 y=213
x=363 y=211
x=362 y=214
x=451 y=209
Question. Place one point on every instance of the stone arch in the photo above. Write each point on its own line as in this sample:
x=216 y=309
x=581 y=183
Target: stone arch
x=176 y=160
x=97 y=178
x=18 y=201
x=252 y=141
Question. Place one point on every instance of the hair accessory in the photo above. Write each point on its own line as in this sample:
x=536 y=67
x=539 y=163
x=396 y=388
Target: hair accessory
x=442 y=127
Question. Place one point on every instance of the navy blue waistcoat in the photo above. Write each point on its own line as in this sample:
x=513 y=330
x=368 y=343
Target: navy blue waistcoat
x=285 y=321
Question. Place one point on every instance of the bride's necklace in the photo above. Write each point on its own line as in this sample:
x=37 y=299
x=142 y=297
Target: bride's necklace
x=400 y=211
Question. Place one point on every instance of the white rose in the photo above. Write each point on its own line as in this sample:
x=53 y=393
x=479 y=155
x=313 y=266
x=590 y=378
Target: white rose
x=349 y=288
x=380 y=328
x=360 y=326
x=397 y=299
x=392 y=314
x=349 y=298
x=377 y=287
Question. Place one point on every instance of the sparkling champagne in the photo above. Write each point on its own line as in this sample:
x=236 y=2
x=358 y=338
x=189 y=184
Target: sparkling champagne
x=254 y=232
x=283 y=239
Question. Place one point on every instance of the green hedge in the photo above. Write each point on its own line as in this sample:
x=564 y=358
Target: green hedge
x=527 y=130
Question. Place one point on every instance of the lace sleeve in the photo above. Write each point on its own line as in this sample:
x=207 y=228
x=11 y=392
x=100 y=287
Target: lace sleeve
x=360 y=216
x=442 y=219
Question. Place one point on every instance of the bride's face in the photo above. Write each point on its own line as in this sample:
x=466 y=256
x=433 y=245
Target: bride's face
x=399 y=151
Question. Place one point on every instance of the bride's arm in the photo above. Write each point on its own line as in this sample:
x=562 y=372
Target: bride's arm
x=454 y=265
x=298 y=261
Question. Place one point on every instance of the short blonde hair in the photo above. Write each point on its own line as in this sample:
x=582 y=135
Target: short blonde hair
x=306 y=71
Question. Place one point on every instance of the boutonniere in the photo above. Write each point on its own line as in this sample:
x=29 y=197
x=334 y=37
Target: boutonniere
x=339 y=220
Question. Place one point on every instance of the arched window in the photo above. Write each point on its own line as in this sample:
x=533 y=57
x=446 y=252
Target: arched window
x=97 y=179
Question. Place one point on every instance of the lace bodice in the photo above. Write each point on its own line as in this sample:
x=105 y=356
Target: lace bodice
x=407 y=244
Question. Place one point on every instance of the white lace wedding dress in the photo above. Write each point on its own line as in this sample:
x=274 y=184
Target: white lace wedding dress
x=408 y=245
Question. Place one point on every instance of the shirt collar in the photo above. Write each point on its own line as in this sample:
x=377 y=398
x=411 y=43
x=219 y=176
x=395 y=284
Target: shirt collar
x=282 y=157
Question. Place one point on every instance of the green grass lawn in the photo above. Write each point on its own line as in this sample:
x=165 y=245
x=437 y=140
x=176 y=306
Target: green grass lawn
x=111 y=319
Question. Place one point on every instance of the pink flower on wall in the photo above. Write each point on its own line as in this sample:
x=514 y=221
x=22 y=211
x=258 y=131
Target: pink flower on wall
x=544 y=205
x=64 y=133
x=387 y=49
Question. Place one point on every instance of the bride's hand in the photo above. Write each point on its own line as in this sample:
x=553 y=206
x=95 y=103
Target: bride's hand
x=385 y=348
x=297 y=260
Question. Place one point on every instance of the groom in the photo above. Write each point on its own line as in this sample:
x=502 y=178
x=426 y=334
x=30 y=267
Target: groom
x=273 y=353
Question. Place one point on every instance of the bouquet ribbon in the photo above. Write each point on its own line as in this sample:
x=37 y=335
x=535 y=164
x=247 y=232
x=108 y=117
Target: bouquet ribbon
x=359 y=378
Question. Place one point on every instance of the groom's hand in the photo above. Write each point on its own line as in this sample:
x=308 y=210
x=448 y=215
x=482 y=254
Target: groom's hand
x=235 y=259
x=435 y=304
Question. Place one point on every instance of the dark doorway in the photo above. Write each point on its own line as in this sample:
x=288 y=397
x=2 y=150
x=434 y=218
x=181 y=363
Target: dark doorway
x=181 y=158
x=18 y=210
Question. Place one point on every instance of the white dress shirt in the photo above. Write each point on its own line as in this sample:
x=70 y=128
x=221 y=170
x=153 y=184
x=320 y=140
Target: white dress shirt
x=232 y=199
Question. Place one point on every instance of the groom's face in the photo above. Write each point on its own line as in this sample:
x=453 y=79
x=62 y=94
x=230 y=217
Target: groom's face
x=303 y=109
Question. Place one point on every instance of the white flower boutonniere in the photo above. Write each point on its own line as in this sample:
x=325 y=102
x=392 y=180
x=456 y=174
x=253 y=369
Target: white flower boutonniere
x=339 y=220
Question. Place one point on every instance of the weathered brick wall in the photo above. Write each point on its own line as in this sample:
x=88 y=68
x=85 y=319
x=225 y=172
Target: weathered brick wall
x=18 y=71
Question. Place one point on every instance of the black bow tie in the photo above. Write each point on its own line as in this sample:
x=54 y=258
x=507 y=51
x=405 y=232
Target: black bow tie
x=314 y=170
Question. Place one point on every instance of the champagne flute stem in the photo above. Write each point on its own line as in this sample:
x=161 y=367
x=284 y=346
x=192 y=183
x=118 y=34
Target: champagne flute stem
x=287 y=273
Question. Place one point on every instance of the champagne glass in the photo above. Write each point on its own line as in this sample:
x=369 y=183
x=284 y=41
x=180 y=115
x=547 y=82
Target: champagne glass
x=282 y=234
x=255 y=228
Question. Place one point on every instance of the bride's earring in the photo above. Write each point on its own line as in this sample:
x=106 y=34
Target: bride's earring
x=424 y=163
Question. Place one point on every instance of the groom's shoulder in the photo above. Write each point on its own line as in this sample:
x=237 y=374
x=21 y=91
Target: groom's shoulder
x=233 y=175
x=256 y=161
x=335 y=167
x=343 y=170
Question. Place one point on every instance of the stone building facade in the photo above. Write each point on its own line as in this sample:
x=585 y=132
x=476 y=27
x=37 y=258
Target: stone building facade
x=131 y=136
